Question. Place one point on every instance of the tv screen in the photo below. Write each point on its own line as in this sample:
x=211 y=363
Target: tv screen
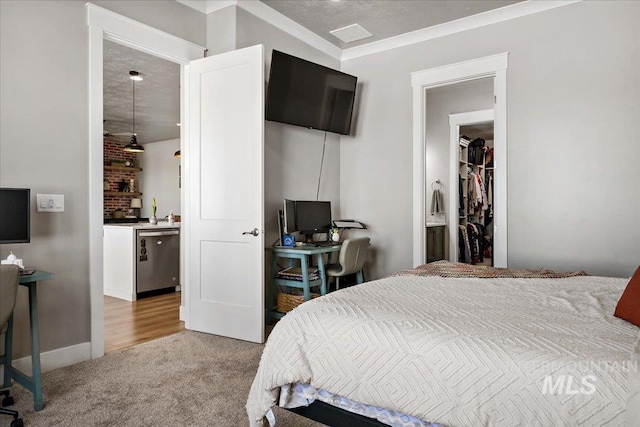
x=15 y=208
x=313 y=217
x=310 y=95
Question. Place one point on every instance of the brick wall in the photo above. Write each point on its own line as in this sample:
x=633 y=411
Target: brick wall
x=113 y=151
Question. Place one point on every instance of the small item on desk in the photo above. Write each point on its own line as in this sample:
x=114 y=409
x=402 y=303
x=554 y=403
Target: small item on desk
x=27 y=272
x=348 y=223
x=288 y=240
x=335 y=234
x=12 y=259
x=323 y=243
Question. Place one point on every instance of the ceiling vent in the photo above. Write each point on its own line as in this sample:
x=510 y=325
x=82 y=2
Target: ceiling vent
x=351 y=33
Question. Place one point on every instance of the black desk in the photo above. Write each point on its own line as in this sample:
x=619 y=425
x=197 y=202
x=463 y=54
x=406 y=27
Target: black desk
x=33 y=383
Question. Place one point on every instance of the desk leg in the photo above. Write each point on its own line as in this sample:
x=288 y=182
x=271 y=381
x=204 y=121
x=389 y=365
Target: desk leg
x=305 y=279
x=8 y=353
x=323 y=277
x=272 y=291
x=35 y=348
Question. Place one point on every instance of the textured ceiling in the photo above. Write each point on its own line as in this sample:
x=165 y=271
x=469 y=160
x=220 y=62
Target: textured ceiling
x=157 y=96
x=383 y=18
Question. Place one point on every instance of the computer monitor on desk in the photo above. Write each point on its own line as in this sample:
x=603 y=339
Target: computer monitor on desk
x=309 y=217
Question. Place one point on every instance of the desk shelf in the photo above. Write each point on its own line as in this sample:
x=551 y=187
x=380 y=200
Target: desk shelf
x=296 y=283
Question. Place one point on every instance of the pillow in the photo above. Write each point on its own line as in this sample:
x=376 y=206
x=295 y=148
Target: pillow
x=628 y=307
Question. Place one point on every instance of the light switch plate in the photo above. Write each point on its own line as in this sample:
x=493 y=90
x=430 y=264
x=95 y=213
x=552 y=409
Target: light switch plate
x=50 y=202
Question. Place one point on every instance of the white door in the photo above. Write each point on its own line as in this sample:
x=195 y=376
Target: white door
x=224 y=195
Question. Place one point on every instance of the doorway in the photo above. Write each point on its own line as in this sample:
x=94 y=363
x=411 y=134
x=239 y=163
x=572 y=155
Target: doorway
x=472 y=208
x=147 y=107
x=106 y=25
x=494 y=67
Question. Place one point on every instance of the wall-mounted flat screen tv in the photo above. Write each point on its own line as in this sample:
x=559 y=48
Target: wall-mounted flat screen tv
x=306 y=94
x=15 y=209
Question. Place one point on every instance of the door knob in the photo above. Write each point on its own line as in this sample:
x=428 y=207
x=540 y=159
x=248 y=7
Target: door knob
x=253 y=232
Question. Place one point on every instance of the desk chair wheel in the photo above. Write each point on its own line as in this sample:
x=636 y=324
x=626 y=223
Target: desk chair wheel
x=7 y=401
x=17 y=423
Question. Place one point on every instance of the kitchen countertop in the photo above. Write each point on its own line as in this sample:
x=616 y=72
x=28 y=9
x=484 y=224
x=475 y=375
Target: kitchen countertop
x=144 y=225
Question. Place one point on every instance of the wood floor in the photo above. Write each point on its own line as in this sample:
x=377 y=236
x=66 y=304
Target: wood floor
x=130 y=323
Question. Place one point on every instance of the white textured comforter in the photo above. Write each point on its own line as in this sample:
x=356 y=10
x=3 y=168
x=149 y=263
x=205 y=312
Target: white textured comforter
x=461 y=352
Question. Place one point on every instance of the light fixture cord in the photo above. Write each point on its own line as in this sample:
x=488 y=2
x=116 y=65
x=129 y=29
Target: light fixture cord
x=133 y=108
x=321 y=163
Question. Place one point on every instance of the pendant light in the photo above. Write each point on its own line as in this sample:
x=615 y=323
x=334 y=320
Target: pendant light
x=133 y=146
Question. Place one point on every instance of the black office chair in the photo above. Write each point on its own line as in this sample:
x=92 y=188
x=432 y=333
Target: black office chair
x=9 y=277
x=353 y=254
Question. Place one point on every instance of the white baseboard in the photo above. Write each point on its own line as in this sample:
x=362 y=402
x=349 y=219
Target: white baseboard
x=54 y=359
x=182 y=313
x=116 y=293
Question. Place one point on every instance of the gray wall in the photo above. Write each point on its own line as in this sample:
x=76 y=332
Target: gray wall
x=44 y=145
x=572 y=89
x=463 y=97
x=221 y=30
x=166 y=15
x=292 y=153
x=159 y=178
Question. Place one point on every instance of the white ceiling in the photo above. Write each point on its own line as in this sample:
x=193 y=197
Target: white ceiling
x=382 y=18
x=157 y=96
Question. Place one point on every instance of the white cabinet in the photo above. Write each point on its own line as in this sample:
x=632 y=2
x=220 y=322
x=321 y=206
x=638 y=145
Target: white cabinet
x=119 y=258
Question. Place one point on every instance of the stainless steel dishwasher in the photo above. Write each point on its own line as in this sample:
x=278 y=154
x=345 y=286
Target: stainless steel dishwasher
x=158 y=259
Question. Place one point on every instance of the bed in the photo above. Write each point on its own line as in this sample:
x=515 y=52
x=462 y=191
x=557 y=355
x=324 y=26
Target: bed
x=477 y=347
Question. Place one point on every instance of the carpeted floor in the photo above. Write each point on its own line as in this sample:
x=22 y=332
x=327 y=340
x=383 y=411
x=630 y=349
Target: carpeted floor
x=187 y=379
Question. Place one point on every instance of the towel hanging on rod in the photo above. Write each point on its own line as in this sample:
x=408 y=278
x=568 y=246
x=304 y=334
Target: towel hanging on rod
x=437 y=204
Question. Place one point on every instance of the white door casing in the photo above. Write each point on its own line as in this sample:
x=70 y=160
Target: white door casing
x=107 y=25
x=225 y=196
x=491 y=66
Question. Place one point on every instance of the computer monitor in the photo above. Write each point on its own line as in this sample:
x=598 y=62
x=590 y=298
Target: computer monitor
x=289 y=225
x=15 y=210
x=312 y=217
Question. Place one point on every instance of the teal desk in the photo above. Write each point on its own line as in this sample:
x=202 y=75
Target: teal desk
x=34 y=382
x=304 y=254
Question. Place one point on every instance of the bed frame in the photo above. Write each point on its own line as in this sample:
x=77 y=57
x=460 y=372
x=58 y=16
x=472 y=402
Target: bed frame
x=335 y=417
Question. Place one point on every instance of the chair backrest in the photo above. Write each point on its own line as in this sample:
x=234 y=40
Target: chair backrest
x=9 y=278
x=353 y=254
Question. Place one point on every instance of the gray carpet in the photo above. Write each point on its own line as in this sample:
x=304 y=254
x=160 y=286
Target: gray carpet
x=189 y=379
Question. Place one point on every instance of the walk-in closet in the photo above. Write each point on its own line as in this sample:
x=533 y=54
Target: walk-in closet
x=475 y=194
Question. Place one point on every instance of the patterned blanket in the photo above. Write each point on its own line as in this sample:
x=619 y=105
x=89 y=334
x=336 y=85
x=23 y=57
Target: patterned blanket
x=461 y=352
x=461 y=270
